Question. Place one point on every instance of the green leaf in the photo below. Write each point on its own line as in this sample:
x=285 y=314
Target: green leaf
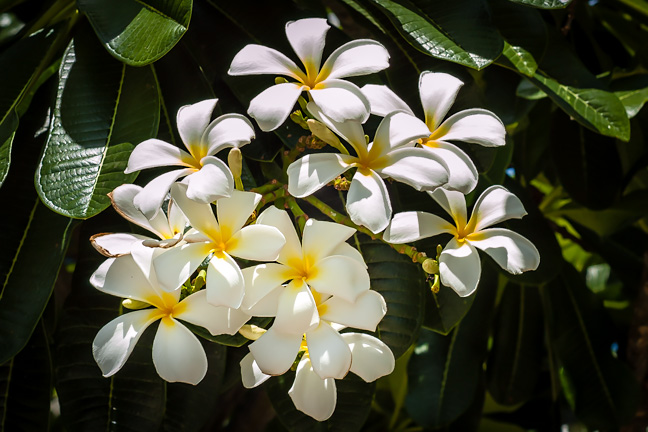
x=138 y=32
x=604 y=391
x=26 y=386
x=458 y=31
x=445 y=310
x=102 y=106
x=514 y=362
x=7 y=133
x=402 y=284
x=520 y=58
x=544 y=4
x=632 y=92
x=445 y=371
x=351 y=411
x=236 y=340
x=596 y=109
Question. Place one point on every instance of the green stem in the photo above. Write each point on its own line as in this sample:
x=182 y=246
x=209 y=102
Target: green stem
x=238 y=183
x=272 y=196
x=267 y=188
x=410 y=251
x=298 y=213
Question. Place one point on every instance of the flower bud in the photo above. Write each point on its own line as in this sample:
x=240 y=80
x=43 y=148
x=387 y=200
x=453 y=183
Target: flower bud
x=322 y=132
x=134 y=304
x=431 y=266
x=251 y=332
x=235 y=162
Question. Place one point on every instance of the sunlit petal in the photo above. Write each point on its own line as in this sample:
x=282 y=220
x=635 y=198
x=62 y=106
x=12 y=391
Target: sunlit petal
x=273 y=105
x=260 y=280
x=122 y=200
x=258 y=59
x=371 y=358
x=307 y=36
x=251 y=374
x=453 y=202
x=178 y=355
x=122 y=277
x=279 y=219
x=462 y=170
x=396 y=130
x=347 y=250
x=311 y=394
x=341 y=101
x=225 y=284
x=474 y=125
x=321 y=237
x=407 y=227
x=460 y=267
x=495 y=205
x=256 y=242
x=421 y=169
x=275 y=352
x=513 y=252
x=213 y=181
x=117 y=244
x=384 y=101
x=200 y=215
x=340 y=276
x=216 y=319
x=228 y=130
x=364 y=313
x=192 y=120
x=368 y=201
x=329 y=354
x=438 y=92
x=175 y=265
x=297 y=312
x=150 y=199
x=354 y=58
x=311 y=172
x=156 y=153
x=234 y=211
x=351 y=131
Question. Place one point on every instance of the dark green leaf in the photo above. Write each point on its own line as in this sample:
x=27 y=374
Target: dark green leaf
x=520 y=58
x=402 y=284
x=604 y=390
x=458 y=31
x=236 y=340
x=632 y=92
x=7 y=133
x=26 y=387
x=444 y=371
x=514 y=362
x=445 y=310
x=102 y=108
x=138 y=32
x=544 y=4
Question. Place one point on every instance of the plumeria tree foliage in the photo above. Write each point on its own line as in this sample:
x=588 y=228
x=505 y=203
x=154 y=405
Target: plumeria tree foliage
x=325 y=215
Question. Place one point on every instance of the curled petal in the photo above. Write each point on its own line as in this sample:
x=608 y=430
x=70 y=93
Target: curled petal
x=350 y=131
x=371 y=358
x=438 y=92
x=513 y=252
x=257 y=242
x=273 y=105
x=156 y=153
x=460 y=267
x=396 y=130
x=364 y=313
x=462 y=170
x=475 y=125
x=368 y=201
x=453 y=202
x=150 y=199
x=341 y=101
x=178 y=355
x=225 y=284
x=358 y=57
x=329 y=354
x=421 y=169
x=275 y=352
x=115 y=341
x=307 y=37
x=340 y=276
x=234 y=211
x=496 y=204
x=192 y=120
x=114 y=245
x=321 y=237
x=122 y=277
x=217 y=319
x=309 y=173
x=297 y=312
x=213 y=181
x=229 y=130
x=279 y=219
x=122 y=200
x=257 y=59
x=251 y=374
x=311 y=394
x=200 y=215
x=411 y=226
x=384 y=101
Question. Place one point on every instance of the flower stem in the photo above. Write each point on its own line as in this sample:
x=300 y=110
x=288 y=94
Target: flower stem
x=298 y=213
x=271 y=186
x=272 y=196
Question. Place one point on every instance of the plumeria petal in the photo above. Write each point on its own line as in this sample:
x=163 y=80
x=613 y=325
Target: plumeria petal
x=354 y=58
x=347 y=250
x=460 y=267
x=176 y=265
x=177 y=221
x=462 y=170
x=340 y=276
x=279 y=219
x=192 y=120
x=307 y=37
x=268 y=305
x=297 y=312
x=368 y=202
x=200 y=215
x=421 y=169
x=495 y=205
x=234 y=211
x=149 y=201
x=396 y=130
x=438 y=92
x=474 y=125
x=122 y=277
x=407 y=227
x=311 y=394
x=329 y=354
x=260 y=280
x=115 y=341
x=143 y=257
x=275 y=352
x=351 y=131
x=341 y=101
x=225 y=284
x=213 y=181
x=513 y=252
x=178 y=355
x=228 y=130
x=217 y=319
x=453 y=202
x=122 y=200
x=384 y=101
x=371 y=358
x=321 y=237
x=365 y=313
x=117 y=244
x=251 y=374
x=273 y=105
x=257 y=242
x=309 y=173
x=156 y=153
x=258 y=59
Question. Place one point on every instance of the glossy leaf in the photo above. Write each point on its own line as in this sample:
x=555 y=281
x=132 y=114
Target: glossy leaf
x=7 y=133
x=459 y=32
x=632 y=92
x=445 y=310
x=102 y=109
x=138 y=32
x=604 y=389
x=402 y=284
x=544 y=4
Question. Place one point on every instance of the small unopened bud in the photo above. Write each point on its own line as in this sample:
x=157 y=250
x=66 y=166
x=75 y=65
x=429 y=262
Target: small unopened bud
x=341 y=183
x=200 y=281
x=431 y=266
x=298 y=117
x=134 y=304
x=280 y=80
x=251 y=332
x=235 y=162
x=439 y=250
x=436 y=285
x=322 y=132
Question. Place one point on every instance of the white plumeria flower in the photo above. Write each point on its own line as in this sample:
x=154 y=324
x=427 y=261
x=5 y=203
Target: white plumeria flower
x=391 y=154
x=207 y=177
x=222 y=239
x=459 y=264
x=339 y=99
x=438 y=92
x=177 y=352
x=316 y=396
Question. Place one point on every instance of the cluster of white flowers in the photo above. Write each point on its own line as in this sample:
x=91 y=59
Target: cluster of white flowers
x=313 y=283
